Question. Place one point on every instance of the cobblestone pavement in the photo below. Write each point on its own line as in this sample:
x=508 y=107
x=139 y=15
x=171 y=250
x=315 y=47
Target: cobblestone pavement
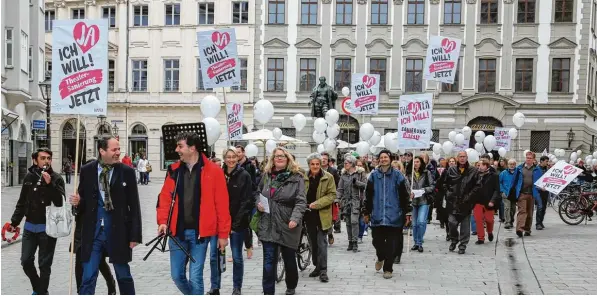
x=557 y=260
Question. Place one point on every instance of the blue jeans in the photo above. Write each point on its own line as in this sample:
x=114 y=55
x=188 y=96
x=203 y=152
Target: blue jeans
x=270 y=264
x=419 y=223
x=126 y=285
x=178 y=263
x=362 y=227
x=473 y=225
x=238 y=266
x=215 y=275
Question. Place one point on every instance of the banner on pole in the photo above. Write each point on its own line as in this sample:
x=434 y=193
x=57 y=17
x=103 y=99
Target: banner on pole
x=558 y=177
x=414 y=121
x=218 y=56
x=502 y=138
x=234 y=115
x=442 y=59
x=365 y=93
x=80 y=65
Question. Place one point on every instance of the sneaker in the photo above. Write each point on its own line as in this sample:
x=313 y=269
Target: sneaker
x=387 y=275
x=519 y=233
x=378 y=265
x=355 y=248
x=452 y=247
x=479 y=242
x=290 y=291
x=539 y=227
x=323 y=277
x=365 y=233
x=213 y=292
x=414 y=248
x=236 y=291
x=360 y=240
x=490 y=237
x=315 y=273
x=421 y=249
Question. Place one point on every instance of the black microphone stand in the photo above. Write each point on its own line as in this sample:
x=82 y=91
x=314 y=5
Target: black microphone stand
x=162 y=239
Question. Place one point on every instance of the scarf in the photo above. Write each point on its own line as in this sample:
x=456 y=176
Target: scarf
x=104 y=180
x=278 y=178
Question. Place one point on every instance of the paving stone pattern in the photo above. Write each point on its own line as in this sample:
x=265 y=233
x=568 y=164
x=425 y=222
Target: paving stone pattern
x=561 y=257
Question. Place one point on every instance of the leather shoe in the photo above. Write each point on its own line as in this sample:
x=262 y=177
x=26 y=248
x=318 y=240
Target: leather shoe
x=323 y=277
x=519 y=233
x=461 y=251
x=490 y=237
x=452 y=247
x=421 y=249
x=539 y=227
x=479 y=242
x=414 y=248
x=527 y=234
x=290 y=292
x=315 y=273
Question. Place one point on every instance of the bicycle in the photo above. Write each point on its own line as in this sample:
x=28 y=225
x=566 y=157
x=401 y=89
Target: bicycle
x=577 y=208
x=303 y=254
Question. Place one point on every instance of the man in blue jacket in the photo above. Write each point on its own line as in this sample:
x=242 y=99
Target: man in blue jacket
x=387 y=202
x=526 y=192
x=506 y=180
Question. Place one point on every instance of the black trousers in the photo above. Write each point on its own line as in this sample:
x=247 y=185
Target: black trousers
x=104 y=269
x=319 y=245
x=47 y=245
x=67 y=177
x=386 y=241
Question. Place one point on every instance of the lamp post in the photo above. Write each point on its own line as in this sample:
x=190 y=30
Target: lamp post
x=101 y=120
x=571 y=135
x=115 y=131
x=45 y=88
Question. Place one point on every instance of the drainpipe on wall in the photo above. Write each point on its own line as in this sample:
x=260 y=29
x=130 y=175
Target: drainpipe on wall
x=126 y=107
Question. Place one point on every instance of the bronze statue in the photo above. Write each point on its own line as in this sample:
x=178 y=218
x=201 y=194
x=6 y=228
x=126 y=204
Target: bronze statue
x=323 y=98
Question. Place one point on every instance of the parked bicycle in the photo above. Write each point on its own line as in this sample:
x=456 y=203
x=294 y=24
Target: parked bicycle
x=580 y=205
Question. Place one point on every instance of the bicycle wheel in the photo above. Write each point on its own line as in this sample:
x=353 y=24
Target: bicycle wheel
x=570 y=211
x=280 y=270
x=303 y=253
x=557 y=200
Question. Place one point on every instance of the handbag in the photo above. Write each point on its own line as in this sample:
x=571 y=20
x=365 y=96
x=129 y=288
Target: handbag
x=148 y=168
x=58 y=220
x=254 y=224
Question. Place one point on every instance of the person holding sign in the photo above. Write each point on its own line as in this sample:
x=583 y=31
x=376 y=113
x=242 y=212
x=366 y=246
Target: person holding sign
x=487 y=199
x=387 y=215
x=423 y=182
x=525 y=192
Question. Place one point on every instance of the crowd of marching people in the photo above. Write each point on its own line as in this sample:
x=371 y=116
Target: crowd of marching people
x=221 y=202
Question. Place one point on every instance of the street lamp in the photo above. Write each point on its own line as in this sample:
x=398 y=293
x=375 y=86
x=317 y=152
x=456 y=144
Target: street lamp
x=45 y=88
x=101 y=120
x=115 y=131
x=571 y=135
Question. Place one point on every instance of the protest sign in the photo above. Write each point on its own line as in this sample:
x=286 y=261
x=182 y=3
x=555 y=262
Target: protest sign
x=234 y=115
x=558 y=177
x=219 y=58
x=365 y=93
x=414 y=121
x=442 y=59
x=502 y=138
x=80 y=63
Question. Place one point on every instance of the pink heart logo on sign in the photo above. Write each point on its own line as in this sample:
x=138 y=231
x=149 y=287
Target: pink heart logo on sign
x=413 y=108
x=569 y=170
x=236 y=109
x=85 y=36
x=220 y=40
x=448 y=45
x=369 y=81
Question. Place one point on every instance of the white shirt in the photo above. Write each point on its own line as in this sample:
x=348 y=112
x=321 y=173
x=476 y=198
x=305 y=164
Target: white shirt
x=142 y=165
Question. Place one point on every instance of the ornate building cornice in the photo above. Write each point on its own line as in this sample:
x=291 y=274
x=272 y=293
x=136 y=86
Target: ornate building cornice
x=508 y=1
x=398 y=2
x=60 y=4
x=471 y=1
x=326 y=1
x=362 y=2
x=434 y=1
x=90 y=2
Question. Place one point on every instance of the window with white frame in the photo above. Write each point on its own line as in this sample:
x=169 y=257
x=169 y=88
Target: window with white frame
x=30 y=63
x=139 y=75
x=240 y=12
x=206 y=13
x=40 y=65
x=109 y=13
x=171 y=74
x=8 y=47
x=50 y=16
x=243 y=74
x=48 y=70
x=141 y=16
x=78 y=13
x=111 y=75
x=172 y=14
x=200 y=85
x=24 y=52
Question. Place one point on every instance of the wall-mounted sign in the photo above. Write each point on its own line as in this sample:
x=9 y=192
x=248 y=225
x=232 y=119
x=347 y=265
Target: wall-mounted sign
x=39 y=124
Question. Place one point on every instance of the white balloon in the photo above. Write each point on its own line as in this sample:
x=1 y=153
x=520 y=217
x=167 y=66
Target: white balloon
x=595 y=154
x=329 y=145
x=447 y=147
x=332 y=116
x=502 y=151
x=578 y=160
x=277 y=132
x=437 y=148
x=372 y=149
x=556 y=160
x=320 y=148
x=594 y=162
x=263 y=111
x=489 y=142
x=571 y=162
x=479 y=136
x=320 y=125
x=473 y=156
x=251 y=150
x=436 y=156
x=333 y=131
x=363 y=148
x=270 y=145
x=212 y=129
x=513 y=133
x=318 y=137
x=366 y=131
x=467 y=131
x=560 y=152
x=588 y=159
x=391 y=142
x=578 y=152
x=375 y=139
x=518 y=119
x=479 y=148
x=573 y=156
x=345 y=91
x=299 y=121
x=452 y=136
x=459 y=139
x=210 y=106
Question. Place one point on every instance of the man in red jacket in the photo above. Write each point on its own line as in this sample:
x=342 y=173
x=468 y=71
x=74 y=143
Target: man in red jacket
x=200 y=216
x=127 y=160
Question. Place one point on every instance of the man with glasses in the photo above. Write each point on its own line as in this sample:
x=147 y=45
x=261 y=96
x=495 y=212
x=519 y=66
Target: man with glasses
x=41 y=187
x=506 y=179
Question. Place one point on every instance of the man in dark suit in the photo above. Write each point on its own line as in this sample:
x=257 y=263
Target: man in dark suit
x=109 y=202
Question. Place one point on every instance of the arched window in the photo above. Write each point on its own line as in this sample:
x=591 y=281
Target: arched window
x=69 y=131
x=139 y=130
x=104 y=129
